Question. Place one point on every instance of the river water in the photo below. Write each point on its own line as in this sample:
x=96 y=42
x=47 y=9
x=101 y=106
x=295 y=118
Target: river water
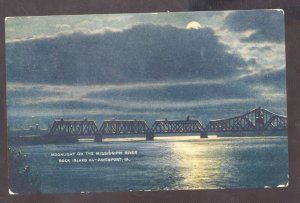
x=168 y=163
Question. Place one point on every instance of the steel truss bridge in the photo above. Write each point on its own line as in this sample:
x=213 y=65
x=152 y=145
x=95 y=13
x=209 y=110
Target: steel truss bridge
x=256 y=120
x=176 y=127
x=122 y=127
x=73 y=128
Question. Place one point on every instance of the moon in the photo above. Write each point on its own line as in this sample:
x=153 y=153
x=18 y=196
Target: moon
x=193 y=25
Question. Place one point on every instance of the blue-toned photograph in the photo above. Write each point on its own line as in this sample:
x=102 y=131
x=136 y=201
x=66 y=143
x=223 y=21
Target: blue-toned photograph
x=146 y=101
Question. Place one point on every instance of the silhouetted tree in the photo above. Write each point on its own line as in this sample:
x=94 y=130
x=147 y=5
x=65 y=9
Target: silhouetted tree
x=21 y=178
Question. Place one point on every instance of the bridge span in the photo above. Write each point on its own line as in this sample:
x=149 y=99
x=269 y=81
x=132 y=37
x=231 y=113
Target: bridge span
x=122 y=127
x=256 y=120
x=177 y=127
x=73 y=128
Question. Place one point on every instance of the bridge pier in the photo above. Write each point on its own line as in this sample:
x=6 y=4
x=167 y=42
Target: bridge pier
x=150 y=136
x=203 y=135
x=98 y=138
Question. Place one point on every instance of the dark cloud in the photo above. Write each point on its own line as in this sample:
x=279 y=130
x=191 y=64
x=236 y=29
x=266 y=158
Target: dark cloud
x=179 y=93
x=264 y=48
x=143 y=53
x=31 y=93
x=252 y=62
x=276 y=79
x=63 y=105
x=267 y=24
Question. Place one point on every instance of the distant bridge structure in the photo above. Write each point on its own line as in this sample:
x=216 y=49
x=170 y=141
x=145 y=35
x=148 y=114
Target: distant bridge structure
x=177 y=126
x=73 y=128
x=258 y=119
x=119 y=127
x=122 y=127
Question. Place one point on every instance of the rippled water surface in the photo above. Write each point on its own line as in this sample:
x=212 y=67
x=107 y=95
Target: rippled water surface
x=167 y=163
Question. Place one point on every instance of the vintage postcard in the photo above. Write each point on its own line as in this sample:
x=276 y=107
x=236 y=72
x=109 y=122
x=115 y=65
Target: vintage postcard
x=146 y=102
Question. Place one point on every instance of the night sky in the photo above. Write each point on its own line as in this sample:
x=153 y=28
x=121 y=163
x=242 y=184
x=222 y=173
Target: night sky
x=144 y=66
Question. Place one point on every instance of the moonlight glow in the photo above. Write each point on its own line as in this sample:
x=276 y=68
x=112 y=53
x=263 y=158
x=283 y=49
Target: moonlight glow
x=193 y=25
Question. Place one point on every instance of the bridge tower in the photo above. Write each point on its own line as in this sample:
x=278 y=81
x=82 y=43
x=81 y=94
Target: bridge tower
x=259 y=118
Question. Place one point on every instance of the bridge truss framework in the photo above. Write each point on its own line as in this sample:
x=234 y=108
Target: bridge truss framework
x=73 y=128
x=255 y=120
